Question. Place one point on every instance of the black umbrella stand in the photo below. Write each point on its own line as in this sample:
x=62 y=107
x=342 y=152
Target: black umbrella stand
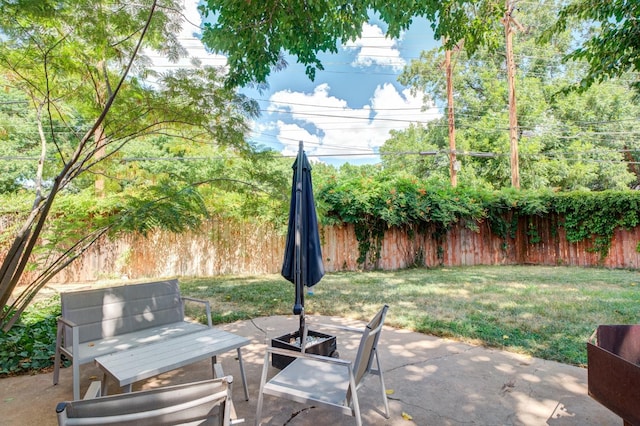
x=302 y=263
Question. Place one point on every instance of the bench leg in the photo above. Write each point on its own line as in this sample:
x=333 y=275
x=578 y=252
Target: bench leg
x=75 y=366
x=217 y=371
x=103 y=387
x=244 y=378
x=94 y=391
x=58 y=355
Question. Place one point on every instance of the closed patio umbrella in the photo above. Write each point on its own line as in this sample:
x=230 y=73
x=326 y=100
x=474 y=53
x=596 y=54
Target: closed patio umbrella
x=302 y=263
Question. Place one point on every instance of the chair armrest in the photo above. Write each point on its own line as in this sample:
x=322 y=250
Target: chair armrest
x=206 y=304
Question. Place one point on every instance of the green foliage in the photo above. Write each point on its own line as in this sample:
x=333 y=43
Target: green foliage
x=254 y=35
x=595 y=216
x=375 y=202
x=504 y=208
x=431 y=137
x=87 y=92
x=610 y=47
x=166 y=206
x=570 y=141
x=30 y=345
x=14 y=119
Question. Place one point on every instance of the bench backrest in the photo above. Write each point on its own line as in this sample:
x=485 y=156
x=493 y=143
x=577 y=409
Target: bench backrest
x=110 y=311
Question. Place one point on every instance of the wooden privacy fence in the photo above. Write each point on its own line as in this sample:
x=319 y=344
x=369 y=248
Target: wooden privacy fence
x=223 y=247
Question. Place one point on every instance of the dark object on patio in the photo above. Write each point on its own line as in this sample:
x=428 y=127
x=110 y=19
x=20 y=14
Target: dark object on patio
x=317 y=344
x=614 y=370
x=302 y=263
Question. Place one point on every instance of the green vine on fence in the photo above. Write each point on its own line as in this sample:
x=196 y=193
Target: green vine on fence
x=375 y=204
x=594 y=216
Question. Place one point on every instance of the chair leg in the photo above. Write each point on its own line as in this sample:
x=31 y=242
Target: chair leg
x=259 y=409
x=384 y=389
x=244 y=378
x=263 y=380
x=354 y=399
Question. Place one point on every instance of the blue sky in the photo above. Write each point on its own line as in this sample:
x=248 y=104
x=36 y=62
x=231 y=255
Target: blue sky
x=346 y=113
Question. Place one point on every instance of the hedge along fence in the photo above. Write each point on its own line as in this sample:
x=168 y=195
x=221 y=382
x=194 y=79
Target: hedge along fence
x=391 y=228
x=522 y=225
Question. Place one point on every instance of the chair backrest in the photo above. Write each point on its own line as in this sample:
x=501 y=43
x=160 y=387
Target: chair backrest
x=105 y=312
x=202 y=403
x=368 y=345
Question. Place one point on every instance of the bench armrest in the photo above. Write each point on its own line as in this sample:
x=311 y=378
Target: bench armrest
x=206 y=304
x=75 y=336
x=66 y=322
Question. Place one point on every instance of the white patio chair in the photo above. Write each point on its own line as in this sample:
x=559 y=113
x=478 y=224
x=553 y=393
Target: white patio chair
x=327 y=382
x=201 y=403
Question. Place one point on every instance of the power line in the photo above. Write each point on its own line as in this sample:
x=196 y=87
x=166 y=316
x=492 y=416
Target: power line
x=335 y=106
x=570 y=155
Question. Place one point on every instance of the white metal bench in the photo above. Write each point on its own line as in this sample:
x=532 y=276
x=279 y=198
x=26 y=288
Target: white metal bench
x=101 y=321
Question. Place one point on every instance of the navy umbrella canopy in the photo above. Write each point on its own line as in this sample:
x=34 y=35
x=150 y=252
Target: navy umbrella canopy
x=302 y=263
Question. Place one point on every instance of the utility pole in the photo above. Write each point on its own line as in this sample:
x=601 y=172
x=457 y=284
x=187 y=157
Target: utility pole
x=453 y=168
x=513 y=116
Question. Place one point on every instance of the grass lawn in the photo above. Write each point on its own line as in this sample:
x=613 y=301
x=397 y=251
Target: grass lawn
x=547 y=312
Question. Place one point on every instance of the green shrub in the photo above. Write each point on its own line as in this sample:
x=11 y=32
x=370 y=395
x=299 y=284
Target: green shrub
x=376 y=203
x=30 y=344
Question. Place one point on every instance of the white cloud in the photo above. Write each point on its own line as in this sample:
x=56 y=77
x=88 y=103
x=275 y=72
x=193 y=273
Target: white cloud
x=376 y=49
x=294 y=133
x=391 y=105
x=329 y=127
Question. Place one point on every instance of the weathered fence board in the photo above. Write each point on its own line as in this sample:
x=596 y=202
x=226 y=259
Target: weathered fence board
x=223 y=247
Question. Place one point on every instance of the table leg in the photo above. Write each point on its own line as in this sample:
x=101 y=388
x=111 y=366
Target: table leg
x=213 y=365
x=244 y=378
x=103 y=387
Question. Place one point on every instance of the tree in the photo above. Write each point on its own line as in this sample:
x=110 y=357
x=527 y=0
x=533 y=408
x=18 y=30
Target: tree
x=14 y=118
x=612 y=46
x=78 y=65
x=567 y=141
x=420 y=150
x=254 y=35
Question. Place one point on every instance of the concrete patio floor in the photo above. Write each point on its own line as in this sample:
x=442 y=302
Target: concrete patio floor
x=434 y=381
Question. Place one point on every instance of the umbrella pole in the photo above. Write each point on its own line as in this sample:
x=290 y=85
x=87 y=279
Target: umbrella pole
x=299 y=305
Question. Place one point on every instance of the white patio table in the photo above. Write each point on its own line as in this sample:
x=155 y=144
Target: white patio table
x=133 y=365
